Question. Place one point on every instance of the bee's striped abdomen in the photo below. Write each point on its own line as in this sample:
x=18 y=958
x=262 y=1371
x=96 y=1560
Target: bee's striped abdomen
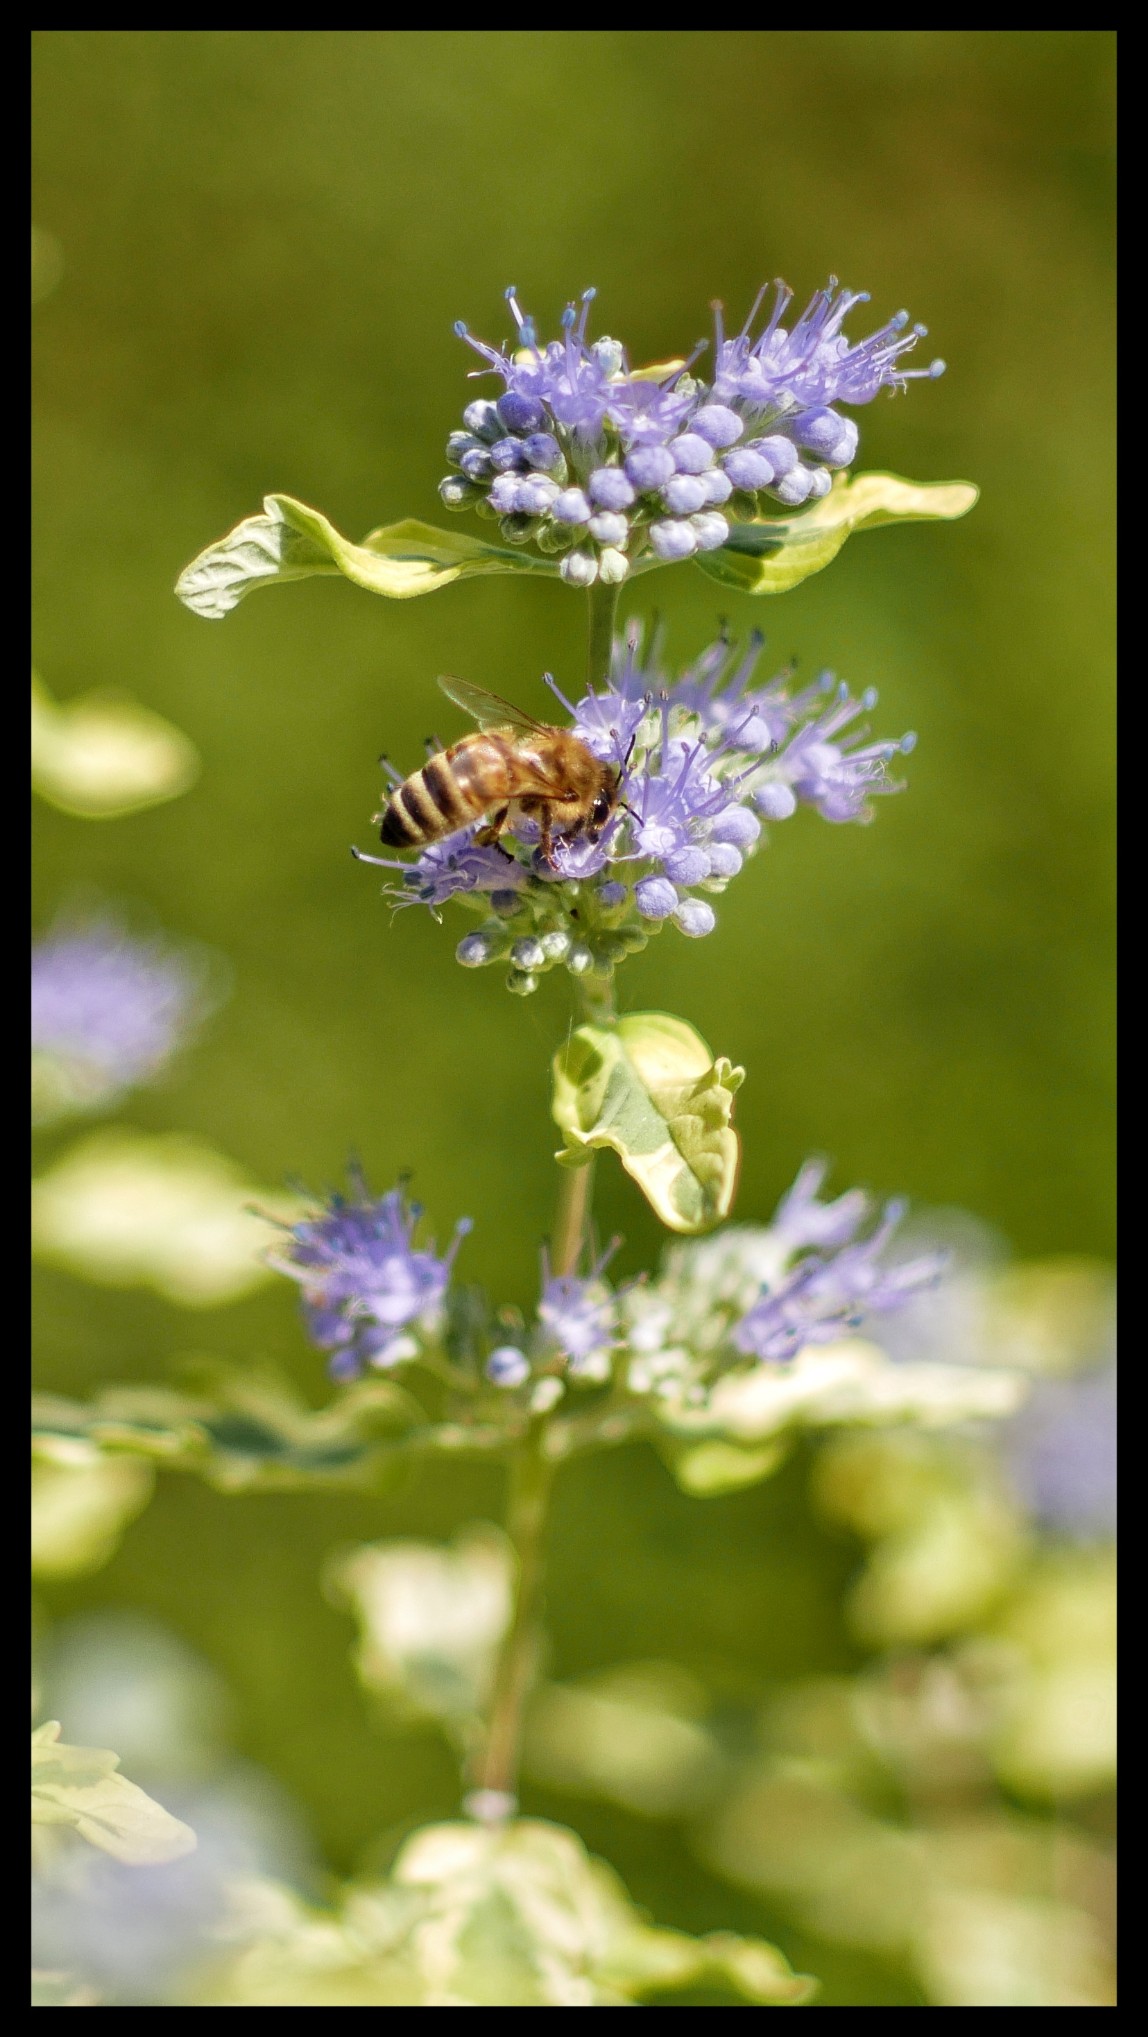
x=450 y=790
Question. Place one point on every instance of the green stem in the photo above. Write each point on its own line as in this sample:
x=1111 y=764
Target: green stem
x=603 y=609
x=495 y=1771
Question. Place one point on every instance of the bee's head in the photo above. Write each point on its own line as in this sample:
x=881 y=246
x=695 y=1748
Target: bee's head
x=602 y=806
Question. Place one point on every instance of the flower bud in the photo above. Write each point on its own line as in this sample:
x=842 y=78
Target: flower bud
x=476 y=465
x=692 y=455
x=748 y=469
x=687 y=866
x=736 y=825
x=775 y=800
x=673 y=540
x=528 y=953
x=725 y=860
x=718 y=425
x=556 y=537
x=504 y=494
x=610 y=488
x=571 y=506
x=609 y=528
x=536 y=494
x=578 y=569
x=508 y=1366
x=684 y=493
x=780 y=452
x=655 y=898
x=556 y=944
x=580 y=960
x=474 y=951
x=711 y=530
x=458 y=443
x=543 y=451
x=718 y=487
x=649 y=466
x=457 y=492
x=520 y=413
x=482 y=417
x=821 y=481
x=613 y=567
x=521 y=983
x=830 y=437
x=610 y=355
x=794 y=488
x=695 y=918
x=516 y=530
x=505 y=903
x=506 y=455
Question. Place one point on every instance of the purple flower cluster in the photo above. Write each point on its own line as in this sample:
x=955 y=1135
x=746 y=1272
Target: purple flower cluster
x=364 y=1280
x=109 y=1009
x=703 y=760
x=837 y=1280
x=604 y=465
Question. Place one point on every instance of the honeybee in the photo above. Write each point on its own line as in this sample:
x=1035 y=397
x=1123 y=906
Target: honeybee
x=512 y=765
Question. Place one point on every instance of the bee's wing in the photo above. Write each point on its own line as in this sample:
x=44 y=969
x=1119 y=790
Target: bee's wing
x=488 y=710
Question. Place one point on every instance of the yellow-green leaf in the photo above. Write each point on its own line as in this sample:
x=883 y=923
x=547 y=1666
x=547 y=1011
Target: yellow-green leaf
x=289 y=541
x=775 y=553
x=651 y=1089
x=79 y=1786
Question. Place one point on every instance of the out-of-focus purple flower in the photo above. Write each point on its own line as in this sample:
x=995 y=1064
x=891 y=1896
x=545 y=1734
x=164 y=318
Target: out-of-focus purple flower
x=110 y=1007
x=834 y=1287
x=579 y=1316
x=364 y=1280
x=1061 y=1452
x=803 y=1221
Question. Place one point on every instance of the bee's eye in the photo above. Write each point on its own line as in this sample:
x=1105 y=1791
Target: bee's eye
x=600 y=812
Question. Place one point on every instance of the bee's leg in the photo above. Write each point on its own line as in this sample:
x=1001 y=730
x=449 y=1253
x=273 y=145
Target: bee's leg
x=546 y=837
x=489 y=834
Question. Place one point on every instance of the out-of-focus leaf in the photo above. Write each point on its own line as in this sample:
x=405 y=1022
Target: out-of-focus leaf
x=80 y=1511
x=986 y=1908
x=430 y=1620
x=245 y=1434
x=1054 y=1681
x=289 y=541
x=769 y=556
x=129 y=1209
x=650 y=1089
x=47 y=263
x=61 y=1991
x=634 y=1735
x=103 y=755
x=516 y=1916
x=947 y=1544
x=706 y=1469
x=79 y=1786
x=852 y=1381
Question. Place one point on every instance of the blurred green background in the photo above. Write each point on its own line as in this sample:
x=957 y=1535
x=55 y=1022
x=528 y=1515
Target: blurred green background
x=266 y=238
